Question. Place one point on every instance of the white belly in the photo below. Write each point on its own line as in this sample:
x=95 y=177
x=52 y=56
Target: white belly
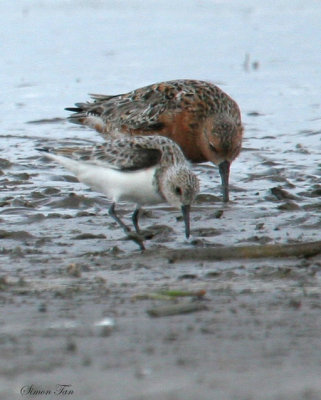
x=132 y=186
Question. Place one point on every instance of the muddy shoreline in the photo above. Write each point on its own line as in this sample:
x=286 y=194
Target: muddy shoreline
x=81 y=305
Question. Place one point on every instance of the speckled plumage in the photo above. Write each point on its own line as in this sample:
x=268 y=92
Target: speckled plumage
x=139 y=169
x=197 y=115
x=131 y=153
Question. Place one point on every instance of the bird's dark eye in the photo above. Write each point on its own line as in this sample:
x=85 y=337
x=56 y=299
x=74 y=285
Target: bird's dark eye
x=212 y=147
x=178 y=190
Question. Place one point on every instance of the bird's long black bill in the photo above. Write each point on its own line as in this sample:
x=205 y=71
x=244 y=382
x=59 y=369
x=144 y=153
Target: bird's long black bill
x=224 y=169
x=186 y=212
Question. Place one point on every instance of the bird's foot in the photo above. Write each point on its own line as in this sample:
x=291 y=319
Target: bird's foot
x=137 y=238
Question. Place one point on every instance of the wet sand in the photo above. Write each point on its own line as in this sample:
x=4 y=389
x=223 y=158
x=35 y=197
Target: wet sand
x=76 y=299
x=82 y=306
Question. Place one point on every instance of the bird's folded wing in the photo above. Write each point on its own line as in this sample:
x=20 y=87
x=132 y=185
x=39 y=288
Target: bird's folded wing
x=120 y=154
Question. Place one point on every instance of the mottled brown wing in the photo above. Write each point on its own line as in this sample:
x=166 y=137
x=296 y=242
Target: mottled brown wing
x=144 y=108
x=136 y=113
x=152 y=107
x=120 y=154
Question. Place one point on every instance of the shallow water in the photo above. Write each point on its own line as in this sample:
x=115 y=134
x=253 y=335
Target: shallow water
x=266 y=57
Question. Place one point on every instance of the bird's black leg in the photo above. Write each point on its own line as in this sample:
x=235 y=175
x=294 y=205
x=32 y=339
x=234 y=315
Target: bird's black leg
x=137 y=239
x=132 y=236
x=112 y=213
x=135 y=217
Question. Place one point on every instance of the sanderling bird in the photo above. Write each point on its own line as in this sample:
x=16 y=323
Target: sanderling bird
x=139 y=169
x=199 y=116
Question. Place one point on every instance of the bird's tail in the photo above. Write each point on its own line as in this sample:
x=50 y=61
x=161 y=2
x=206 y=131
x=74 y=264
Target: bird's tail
x=87 y=114
x=67 y=162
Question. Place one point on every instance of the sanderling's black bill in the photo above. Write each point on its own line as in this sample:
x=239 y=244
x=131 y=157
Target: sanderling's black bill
x=186 y=212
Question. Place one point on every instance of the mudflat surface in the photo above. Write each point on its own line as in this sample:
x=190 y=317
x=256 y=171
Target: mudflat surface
x=80 y=304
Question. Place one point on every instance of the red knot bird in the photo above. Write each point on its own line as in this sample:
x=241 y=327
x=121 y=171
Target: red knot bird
x=139 y=169
x=199 y=116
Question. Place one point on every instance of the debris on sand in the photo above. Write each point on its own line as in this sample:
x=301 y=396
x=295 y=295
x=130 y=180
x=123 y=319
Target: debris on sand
x=307 y=249
x=170 y=294
x=183 y=308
